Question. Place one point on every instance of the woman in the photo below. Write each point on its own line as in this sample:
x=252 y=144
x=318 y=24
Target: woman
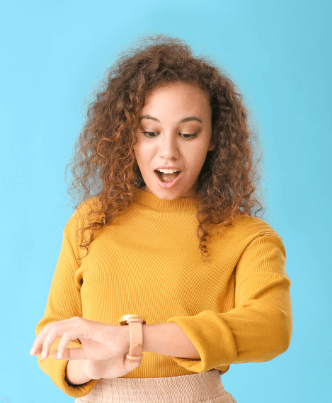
x=166 y=146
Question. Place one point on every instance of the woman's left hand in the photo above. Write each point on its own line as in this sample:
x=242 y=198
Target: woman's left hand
x=100 y=341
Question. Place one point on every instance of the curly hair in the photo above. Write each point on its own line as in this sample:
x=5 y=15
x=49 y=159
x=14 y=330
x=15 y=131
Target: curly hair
x=104 y=166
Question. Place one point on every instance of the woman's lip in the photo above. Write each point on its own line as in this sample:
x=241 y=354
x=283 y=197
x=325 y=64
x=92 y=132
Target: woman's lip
x=172 y=167
x=165 y=185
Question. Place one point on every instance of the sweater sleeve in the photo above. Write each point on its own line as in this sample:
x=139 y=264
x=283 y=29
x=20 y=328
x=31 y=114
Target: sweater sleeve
x=64 y=302
x=259 y=327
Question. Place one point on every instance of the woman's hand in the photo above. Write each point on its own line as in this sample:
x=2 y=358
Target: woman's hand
x=112 y=368
x=104 y=347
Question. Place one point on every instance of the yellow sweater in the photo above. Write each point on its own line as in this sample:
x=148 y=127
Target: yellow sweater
x=235 y=309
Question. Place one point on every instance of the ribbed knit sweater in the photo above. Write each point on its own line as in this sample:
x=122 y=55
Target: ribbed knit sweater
x=235 y=308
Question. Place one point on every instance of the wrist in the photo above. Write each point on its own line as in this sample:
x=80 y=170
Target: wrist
x=75 y=373
x=126 y=338
x=134 y=332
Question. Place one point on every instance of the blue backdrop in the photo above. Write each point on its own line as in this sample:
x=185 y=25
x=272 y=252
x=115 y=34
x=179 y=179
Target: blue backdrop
x=54 y=53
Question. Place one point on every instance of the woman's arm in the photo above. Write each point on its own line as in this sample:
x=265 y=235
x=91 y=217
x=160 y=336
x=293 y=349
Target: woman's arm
x=259 y=327
x=163 y=338
x=168 y=339
x=75 y=372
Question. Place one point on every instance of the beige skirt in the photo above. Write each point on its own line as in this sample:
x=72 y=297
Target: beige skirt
x=204 y=387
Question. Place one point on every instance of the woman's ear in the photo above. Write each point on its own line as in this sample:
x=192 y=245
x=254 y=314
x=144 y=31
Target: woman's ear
x=211 y=146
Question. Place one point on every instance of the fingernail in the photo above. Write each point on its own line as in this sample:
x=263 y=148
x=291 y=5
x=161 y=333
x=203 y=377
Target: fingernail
x=43 y=355
x=59 y=355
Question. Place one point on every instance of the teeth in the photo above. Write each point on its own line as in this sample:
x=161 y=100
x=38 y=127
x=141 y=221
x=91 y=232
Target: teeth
x=167 y=171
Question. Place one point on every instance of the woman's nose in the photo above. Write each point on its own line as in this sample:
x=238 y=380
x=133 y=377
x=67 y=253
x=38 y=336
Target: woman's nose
x=168 y=147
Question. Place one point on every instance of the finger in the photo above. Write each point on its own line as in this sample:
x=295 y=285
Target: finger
x=70 y=353
x=49 y=340
x=37 y=344
x=35 y=351
x=39 y=341
x=132 y=364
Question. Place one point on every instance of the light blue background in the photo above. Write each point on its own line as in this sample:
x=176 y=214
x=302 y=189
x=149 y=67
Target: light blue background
x=53 y=53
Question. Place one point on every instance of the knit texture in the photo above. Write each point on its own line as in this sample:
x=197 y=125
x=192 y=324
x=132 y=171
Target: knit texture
x=235 y=308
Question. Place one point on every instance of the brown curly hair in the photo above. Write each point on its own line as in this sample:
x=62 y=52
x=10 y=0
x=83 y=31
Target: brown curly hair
x=104 y=164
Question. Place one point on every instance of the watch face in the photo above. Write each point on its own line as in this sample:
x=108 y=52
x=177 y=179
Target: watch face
x=123 y=320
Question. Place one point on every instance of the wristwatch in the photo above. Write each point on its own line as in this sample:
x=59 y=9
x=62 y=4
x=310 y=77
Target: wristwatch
x=135 y=323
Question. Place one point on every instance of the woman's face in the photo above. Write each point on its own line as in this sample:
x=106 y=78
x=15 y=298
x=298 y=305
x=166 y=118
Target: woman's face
x=176 y=119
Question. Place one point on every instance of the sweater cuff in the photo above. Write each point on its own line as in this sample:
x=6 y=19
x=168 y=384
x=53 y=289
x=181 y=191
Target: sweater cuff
x=56 y=369
x=203 y=332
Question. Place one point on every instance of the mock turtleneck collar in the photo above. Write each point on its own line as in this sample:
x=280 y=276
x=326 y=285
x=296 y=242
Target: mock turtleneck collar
x=151 y=201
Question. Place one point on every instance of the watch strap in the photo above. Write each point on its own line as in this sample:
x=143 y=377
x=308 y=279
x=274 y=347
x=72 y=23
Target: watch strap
x=136 y=339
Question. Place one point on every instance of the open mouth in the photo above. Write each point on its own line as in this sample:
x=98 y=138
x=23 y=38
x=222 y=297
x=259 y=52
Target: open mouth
x=167 y=178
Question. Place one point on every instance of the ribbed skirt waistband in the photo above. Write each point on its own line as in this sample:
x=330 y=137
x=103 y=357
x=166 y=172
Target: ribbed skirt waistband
x=204 y=387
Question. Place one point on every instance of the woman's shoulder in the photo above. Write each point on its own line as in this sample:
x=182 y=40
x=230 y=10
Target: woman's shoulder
x=251 y=227
x=87 y=212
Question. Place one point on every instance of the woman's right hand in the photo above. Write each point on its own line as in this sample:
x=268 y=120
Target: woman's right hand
x=112 y=368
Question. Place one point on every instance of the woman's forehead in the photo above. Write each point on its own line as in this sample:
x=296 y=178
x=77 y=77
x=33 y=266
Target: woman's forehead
x=178 y=100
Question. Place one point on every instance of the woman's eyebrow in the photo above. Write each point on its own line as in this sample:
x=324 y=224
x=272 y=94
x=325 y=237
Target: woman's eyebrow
x=187 y=119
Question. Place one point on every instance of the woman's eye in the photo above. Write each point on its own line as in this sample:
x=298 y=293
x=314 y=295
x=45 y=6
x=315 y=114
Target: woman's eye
x=149 y=133
x=182 y=134
x=188 y=135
